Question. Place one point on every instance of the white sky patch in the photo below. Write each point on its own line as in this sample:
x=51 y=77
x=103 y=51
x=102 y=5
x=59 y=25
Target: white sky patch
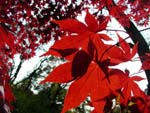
x=27 y=67
x=31 y=63
x=134 y=69
x=81 y=17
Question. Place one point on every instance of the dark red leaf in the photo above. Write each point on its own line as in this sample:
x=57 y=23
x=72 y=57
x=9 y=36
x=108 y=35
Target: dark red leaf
x=80 y=63
x=91 y=22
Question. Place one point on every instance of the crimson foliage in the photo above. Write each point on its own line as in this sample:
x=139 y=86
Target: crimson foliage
x=88 y=68
x=25 y=25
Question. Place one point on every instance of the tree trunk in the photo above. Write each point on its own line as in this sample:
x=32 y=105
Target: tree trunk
x=143 y=48
x=137 y=37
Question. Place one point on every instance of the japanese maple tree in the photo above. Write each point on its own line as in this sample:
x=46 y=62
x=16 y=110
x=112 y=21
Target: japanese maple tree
x=25 y=25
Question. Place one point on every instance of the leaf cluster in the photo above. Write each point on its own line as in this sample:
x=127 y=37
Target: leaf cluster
x=88 y=67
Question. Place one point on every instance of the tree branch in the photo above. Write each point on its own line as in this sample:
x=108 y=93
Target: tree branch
x=126 y=31
x=136 y=37
x=17 y=71
x=116 y=30
x=145 y=29
x=143 y=47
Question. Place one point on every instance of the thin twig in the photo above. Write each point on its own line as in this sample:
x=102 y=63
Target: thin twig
x=116 y=30
x=137 y=72
x=125 y=31
x=145 y=29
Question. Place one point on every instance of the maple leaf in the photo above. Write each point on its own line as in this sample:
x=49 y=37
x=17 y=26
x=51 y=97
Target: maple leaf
x=123 y=53
x=71 y=25
x=78 y=27
x=80 y=40
x=93 y=84
x=92 y=23
x=80 y=88
x=74 y=43
x=88 y=63
x=75 y=68
x=88 y=80
x=128 y=53
x=131 y=89
x=60 y=74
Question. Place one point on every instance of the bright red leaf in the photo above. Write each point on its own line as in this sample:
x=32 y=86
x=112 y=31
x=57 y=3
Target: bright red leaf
x=74 y=42
x=91 y=22
x=88 y=66
x=86 y=53
x=131 y=89
x=79 y=40
x=94 y=84
x=123 y=53
x=60 y=74
x=71 y=25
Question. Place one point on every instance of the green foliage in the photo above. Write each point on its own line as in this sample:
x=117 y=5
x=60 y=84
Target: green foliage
x=50 y=97
x=46 y=101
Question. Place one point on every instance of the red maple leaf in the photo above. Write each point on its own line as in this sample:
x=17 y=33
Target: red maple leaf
x=79 y=40
x=88 y=63
x=93 y=83
x=88 y=78
x=131 y=89
x=122 y=53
